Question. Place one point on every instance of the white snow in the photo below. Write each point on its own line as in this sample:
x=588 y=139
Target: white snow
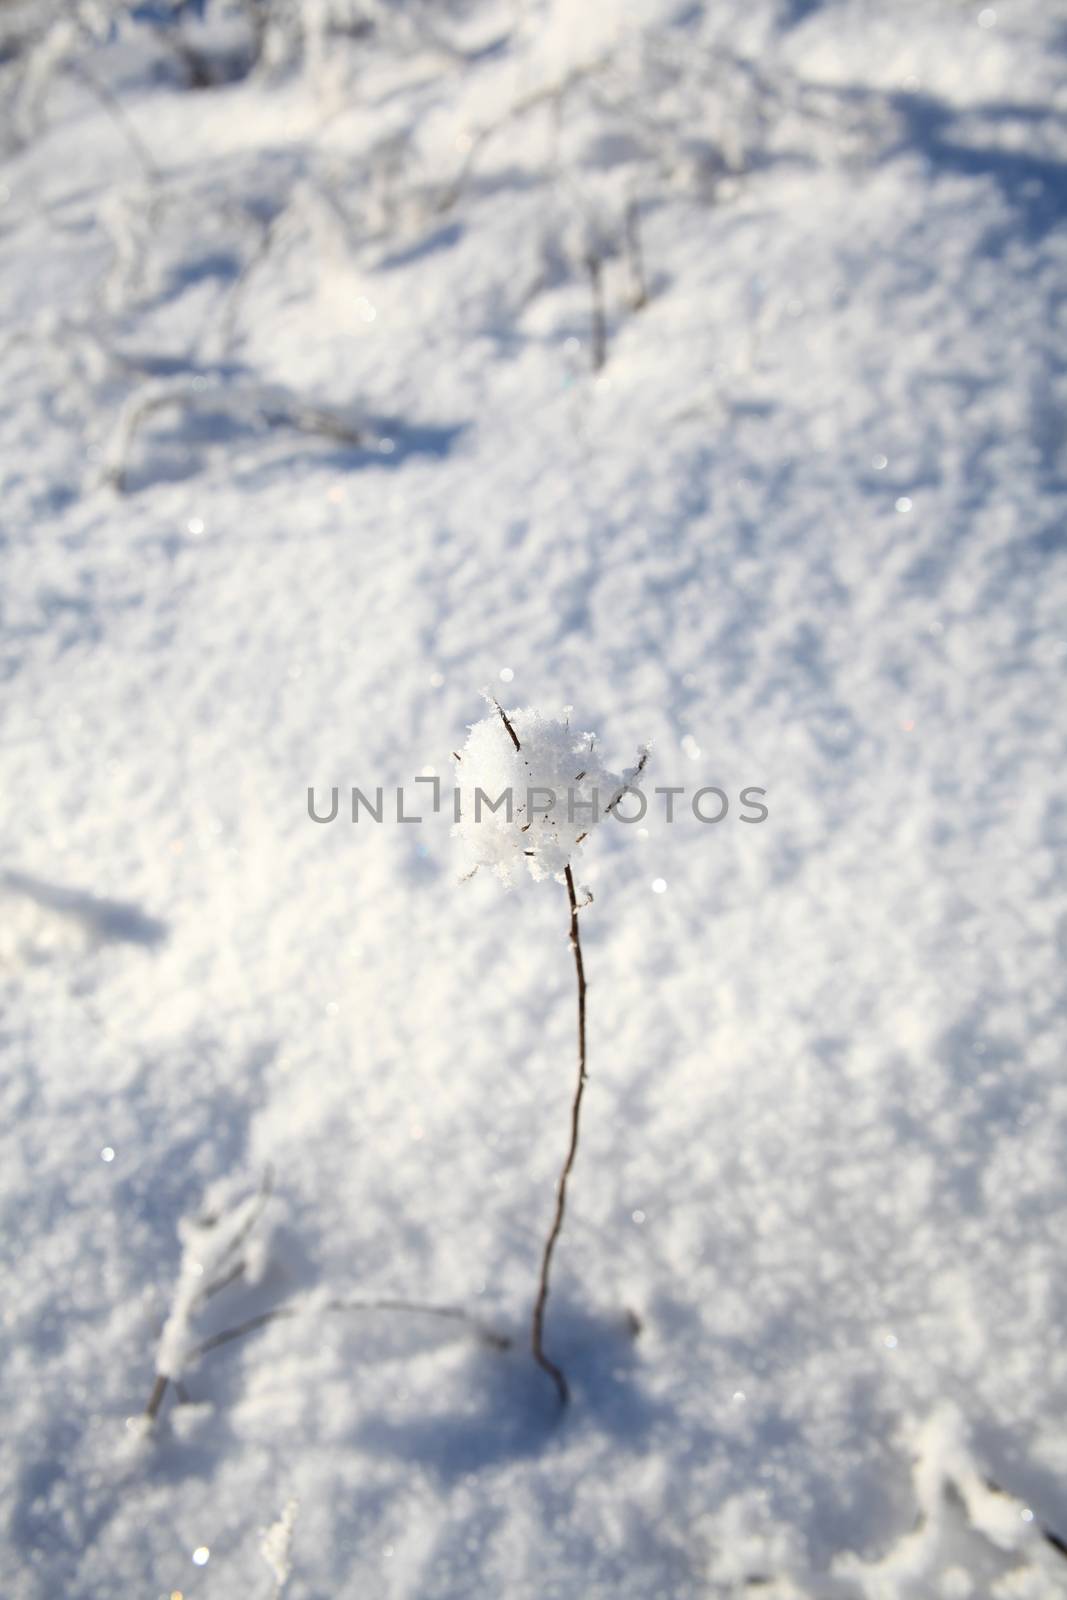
x=218 y=1247
x=530 y=790
x=301 y=444
x=276 y=1546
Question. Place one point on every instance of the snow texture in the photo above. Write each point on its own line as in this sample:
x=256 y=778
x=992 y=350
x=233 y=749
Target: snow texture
x=703 y=366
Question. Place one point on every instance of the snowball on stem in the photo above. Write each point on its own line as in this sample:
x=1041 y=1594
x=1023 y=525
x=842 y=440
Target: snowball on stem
x=532 y=806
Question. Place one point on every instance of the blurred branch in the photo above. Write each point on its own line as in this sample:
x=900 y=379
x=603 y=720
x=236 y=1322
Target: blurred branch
x=272 y=407
x=118 y=114
x=551 y=94
x=216 y=1341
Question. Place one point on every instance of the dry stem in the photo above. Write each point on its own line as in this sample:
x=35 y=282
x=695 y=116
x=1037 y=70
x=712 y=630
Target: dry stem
x=599 y=341
x=489 y=1336
x=537 y=1340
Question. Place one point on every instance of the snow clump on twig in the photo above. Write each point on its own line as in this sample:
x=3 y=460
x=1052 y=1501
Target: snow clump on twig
x=532 y=788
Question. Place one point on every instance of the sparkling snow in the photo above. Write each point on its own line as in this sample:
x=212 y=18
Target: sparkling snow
x=302 y=446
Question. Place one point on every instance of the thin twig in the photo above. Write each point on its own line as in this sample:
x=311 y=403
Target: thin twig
x=642 y=762
x=626 y=789
x=155 y=1399
x=488 y=1335
x=119 y=116
x=537 y=1335
x=635 y=257
x=1058 y=1544
x=231 y=1275
x=599 y=342
x=498 y=1341
x=252 y=403
x=231 y=1271
x=505 y=720
x=551 y=94
x=229 y=1334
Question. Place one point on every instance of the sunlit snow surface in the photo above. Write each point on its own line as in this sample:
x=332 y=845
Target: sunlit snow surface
x=301 y=447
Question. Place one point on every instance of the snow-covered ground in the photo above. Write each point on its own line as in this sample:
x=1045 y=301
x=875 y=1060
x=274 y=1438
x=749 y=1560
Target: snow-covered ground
x=302 y=446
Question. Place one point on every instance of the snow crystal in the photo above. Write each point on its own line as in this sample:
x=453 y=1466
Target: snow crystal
x=532 y=787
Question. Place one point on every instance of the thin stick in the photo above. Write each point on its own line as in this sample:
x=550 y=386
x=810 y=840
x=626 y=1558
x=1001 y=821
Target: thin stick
x=498 y=1341
x=599 y=344
x=488 y=1335
x=505 y=719
x=635 y=257
x=627 y=788
x=537 y=1339
x=1058 y=1544
x=155 y=1399
x=119 y=116
x=553 y=96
